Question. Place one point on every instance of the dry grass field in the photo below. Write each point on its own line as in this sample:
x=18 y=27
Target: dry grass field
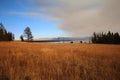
x=45 y=61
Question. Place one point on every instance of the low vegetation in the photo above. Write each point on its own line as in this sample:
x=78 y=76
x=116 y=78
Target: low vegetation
x=43 y=61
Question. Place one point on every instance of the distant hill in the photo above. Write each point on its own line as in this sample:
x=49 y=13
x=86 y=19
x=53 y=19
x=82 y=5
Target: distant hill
x=61 y=39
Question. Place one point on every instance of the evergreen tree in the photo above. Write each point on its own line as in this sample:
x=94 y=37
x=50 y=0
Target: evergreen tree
x=10 y=36
x=94 y=38
x=116 y=38
x=1 y=35
x=4 y=35
x=109 y=38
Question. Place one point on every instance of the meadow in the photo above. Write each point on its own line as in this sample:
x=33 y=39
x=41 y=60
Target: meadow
x=45 y=61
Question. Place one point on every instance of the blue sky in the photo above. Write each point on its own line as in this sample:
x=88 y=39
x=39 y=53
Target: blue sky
x=16 y=23
x=56 y=18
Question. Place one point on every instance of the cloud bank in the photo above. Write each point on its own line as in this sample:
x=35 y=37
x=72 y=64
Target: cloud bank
x=80 y=17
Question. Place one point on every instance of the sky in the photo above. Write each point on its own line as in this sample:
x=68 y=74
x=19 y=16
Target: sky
x=58 y=18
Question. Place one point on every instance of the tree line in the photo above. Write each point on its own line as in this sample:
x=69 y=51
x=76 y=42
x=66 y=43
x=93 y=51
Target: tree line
x=106 y=38
x=101 y=38
x=4 y=35
x=9 y=36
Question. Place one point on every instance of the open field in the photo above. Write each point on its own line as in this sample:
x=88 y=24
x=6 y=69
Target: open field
x=44 y=61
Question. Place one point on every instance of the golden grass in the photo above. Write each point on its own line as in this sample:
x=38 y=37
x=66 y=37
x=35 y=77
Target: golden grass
x=44 y=61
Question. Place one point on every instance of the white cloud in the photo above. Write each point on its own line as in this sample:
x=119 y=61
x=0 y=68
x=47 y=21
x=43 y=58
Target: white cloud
x=95 y=16
x=26 y=13
x=81 y=17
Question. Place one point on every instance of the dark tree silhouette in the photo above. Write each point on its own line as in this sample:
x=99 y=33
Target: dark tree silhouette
x=10 y=36
x=21 y=37
x=103 y=38
x=28 y=34
x=4 y=35
x=94 y=38
x=116 y=38
x=1 y=35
